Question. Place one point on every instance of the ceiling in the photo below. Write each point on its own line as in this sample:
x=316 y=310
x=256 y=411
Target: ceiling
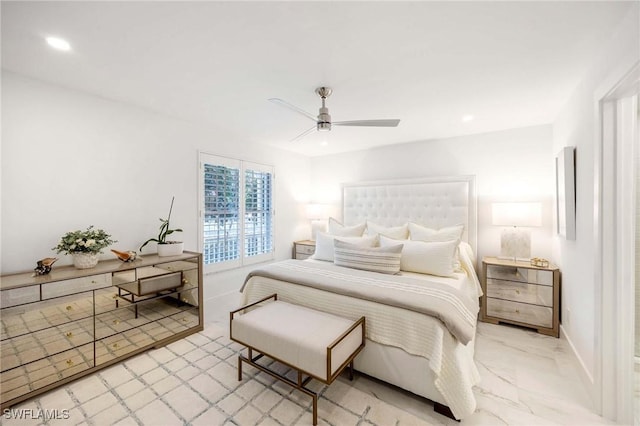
x=509 y=64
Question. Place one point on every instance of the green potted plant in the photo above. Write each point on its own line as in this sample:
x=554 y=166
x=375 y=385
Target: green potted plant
x=84 y=246
x=166 y=247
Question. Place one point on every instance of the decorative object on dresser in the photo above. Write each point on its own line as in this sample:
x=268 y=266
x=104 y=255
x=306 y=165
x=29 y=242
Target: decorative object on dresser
x=166 y=248
x=316 y=344
x=517 y=218
x=521 y=294
x=43 y=266
x=125 y=256
x=303 y=249
x=84 y=246
x=67 y=324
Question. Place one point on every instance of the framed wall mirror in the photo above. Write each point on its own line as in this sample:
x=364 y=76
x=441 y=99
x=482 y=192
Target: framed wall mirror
x=566 y=192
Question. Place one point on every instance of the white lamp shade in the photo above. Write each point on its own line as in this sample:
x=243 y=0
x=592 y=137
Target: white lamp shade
x=517 y=214
x=317 y=211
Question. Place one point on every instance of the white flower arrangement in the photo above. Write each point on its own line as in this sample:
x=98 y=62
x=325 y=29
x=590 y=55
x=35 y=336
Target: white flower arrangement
x=88 y=241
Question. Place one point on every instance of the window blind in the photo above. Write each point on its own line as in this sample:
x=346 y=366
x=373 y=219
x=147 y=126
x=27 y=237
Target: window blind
x=237 y=212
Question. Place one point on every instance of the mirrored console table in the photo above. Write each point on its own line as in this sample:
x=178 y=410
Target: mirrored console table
x=72 y=322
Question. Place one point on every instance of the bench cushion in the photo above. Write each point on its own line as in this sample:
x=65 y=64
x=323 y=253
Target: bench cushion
x=297 y=335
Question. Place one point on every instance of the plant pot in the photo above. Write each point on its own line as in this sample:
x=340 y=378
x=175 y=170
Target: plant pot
x=170 y=249
x=85 y=260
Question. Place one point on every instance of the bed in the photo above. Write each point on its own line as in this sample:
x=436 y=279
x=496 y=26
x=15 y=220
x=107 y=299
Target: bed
x=417 y=342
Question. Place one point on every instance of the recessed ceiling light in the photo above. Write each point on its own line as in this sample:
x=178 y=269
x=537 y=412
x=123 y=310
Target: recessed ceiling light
x=58 y=43
x=467 y=118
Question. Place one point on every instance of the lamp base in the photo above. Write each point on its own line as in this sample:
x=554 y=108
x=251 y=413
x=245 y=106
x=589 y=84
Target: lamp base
x=317 y=226
x=515 y=244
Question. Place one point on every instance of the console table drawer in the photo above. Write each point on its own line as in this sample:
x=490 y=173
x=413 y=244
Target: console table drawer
x=23 y=379
x=520 y=292
x=41 y=344
x=75 y=285
x=521 y=312
x=19 y=296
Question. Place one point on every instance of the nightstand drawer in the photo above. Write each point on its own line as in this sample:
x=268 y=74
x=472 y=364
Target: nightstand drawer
x=521 y=312
x=524 y=275
x=520 y=292
x=302 y=250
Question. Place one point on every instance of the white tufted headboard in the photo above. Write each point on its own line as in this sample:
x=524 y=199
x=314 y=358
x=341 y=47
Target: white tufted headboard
x=434 y=202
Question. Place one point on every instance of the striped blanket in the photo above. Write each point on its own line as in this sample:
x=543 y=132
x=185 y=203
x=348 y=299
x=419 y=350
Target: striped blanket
x=454 y=308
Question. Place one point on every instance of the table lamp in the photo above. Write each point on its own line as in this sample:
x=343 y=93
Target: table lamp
x=317 y=214
x=517 y=218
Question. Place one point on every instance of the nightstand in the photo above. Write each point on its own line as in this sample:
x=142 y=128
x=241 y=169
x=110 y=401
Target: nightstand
x=303 y=249
x=522 y=294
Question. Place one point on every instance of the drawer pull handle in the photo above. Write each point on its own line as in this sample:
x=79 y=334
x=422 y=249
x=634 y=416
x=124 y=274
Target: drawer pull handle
x=116 y=346
x=184 y=299
x=517 y=291
x=185 y=281
x=69 y=308
x=116 y=322
x=115 y=296
x=69 y=334
x=69 y=362
x=184 y=320
x=517 y=311
x=94 y=282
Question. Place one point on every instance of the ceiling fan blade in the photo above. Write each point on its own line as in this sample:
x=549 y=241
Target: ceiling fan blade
x=303 y=134
x=373 y=123
x=286 y=104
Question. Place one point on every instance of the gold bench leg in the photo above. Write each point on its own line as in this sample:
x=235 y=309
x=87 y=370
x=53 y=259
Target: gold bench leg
x=300 y=385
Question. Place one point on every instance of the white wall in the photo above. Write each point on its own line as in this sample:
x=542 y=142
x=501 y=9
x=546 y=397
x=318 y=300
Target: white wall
x=576 y=126
x=70 y=160
x=511 y=165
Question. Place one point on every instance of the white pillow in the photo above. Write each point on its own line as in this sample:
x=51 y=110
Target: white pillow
x=338 y=229
x=324 y=244
x=396 y=232
x=422 y=233
x=385 y=260
x=434 y=258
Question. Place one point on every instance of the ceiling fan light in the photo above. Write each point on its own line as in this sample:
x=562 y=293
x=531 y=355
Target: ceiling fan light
x=324 y=126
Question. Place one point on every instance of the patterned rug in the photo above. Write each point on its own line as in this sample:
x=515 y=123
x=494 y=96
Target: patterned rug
x=194 y=382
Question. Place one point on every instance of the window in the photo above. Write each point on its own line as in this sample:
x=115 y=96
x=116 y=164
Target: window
x=237 y=225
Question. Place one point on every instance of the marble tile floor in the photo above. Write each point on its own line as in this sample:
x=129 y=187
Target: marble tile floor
x=527 y=379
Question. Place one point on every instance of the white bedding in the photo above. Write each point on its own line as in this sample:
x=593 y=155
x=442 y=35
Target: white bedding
x=417 y=334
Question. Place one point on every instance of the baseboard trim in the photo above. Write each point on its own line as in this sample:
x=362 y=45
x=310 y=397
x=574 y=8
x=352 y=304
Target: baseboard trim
x=227 y=301
x=585 y=376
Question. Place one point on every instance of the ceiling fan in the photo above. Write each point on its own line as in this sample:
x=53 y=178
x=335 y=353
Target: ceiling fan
x=323 y=120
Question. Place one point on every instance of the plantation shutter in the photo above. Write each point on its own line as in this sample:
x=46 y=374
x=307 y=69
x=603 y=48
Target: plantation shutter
x=258 y=213
x=221 y=211
x=236 y=212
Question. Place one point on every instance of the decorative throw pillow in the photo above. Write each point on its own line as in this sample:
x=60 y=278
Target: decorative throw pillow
x=385 y=260
x=422 y=233
x=396 y=232
x=324 y=244
x=338 y=229
x=434 y=258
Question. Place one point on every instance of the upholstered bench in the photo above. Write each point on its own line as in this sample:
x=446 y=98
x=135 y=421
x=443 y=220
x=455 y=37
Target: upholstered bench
x=316 y=344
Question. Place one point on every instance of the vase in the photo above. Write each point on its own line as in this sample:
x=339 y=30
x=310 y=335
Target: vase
x=85 y=260
x=170 y=249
